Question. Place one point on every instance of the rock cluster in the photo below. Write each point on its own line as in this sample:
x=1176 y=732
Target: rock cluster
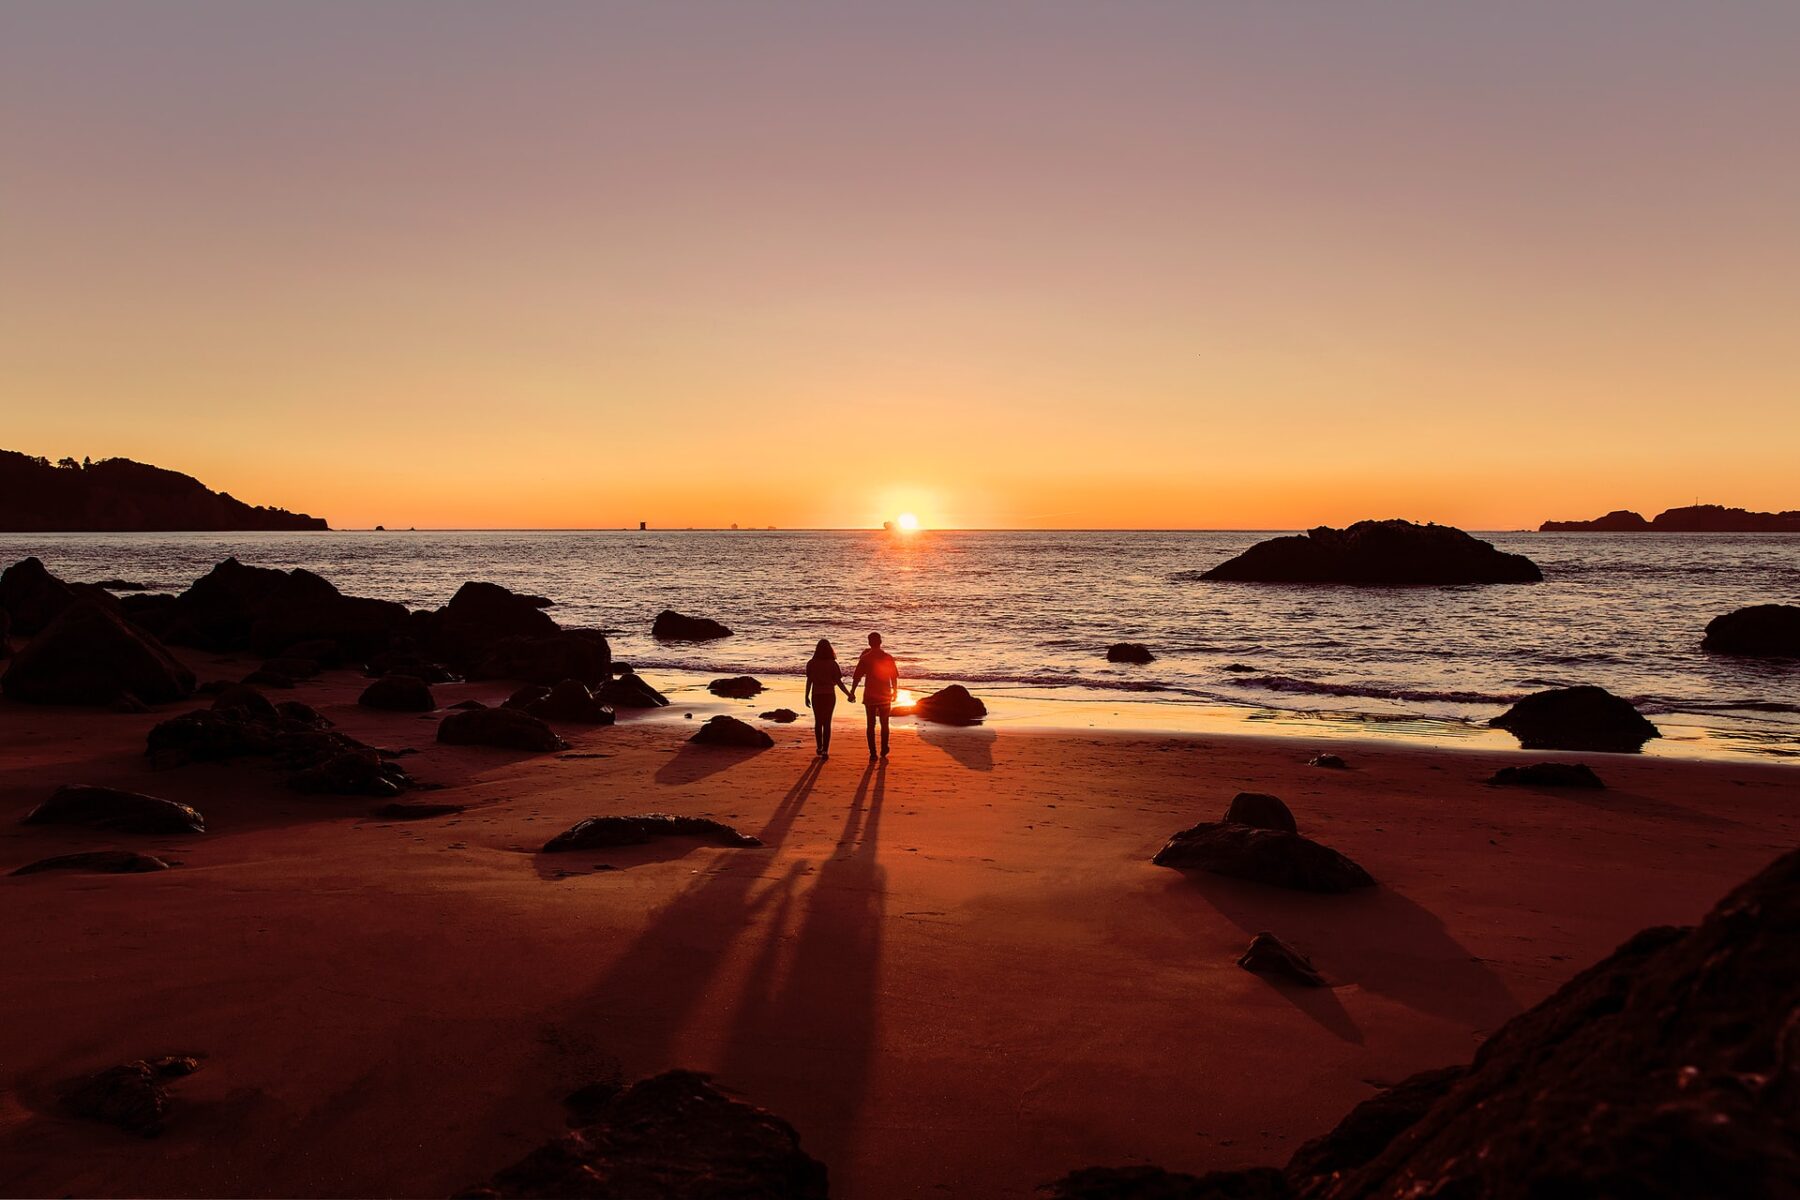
x=570 y=700
x=1259 y=840
x=1378 y=553
x=242 y=723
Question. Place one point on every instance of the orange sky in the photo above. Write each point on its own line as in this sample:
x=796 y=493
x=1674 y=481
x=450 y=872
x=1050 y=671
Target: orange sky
x=1142 y=265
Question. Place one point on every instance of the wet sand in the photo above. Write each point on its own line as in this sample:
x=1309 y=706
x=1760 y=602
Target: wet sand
x=956 y=973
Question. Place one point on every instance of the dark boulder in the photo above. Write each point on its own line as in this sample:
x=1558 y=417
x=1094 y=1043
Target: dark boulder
x=1667 y=1070
x=1548 y=774
x=131 y=1095
x=1129 y=652
x=302 y=714
x=318 y=759
x=729 y=731
x=398 y=693
x=1372 y=1126
x=629 y=691
x=1269 y=856
x=781 y=716
x=582 y=654
x=1761 y=631
x=112 y=808
x=601 y=833
x=405 y=658
x=102 y=862
x=1577 y=718
x=1380 y=554
x=90 y=655
x=951 y=706
x=1330 y=762
x=32 y=596
x=671 y=626
x=570 y=700
x=481 y=614
x=1269 y=955
x=738 y=687
x=673 y=1135
x=238 y=607
x=1260 y=811
x=244 y=698
x=506 y=728
x=355 y=771
x=1154 y=1183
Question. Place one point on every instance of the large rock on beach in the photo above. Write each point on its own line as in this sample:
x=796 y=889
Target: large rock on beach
x=1548 y=775
x=1269 y=955
x=506 y=728
x=602 y=833
x=1577 y=718
x=738 y=687
x=729 y=731
x=629 y=691
x=1270 y=856
x=114 y=808
x=671 y=1136
x=480 y=614
x=97 y=862
x=292 y=737
x=1380 y=554
x=671 y=626
x=398 y=693
x=132 y=1095
x=90 y=655
x=32 y=596
x=1261 y=811
x=1760 y=631
x=569 y=700
x=953 y=705
x=239 y=607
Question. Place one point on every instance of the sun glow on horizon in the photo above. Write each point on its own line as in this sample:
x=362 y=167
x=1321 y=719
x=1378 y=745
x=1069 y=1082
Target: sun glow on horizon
x=906 y=523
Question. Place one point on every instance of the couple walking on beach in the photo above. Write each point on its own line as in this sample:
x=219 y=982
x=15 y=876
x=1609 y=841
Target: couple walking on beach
x=879 y=674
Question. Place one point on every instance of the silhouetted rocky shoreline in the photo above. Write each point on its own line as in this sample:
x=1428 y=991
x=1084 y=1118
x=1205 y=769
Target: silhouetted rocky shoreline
x=1695 y=518
x=117 y=495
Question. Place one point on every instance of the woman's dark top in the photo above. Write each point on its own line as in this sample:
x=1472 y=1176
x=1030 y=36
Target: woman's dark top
x=824 y=674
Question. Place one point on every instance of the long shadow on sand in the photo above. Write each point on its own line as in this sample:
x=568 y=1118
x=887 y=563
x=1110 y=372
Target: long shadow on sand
x=971 y=746
x=692 y=763
x=1375 y=938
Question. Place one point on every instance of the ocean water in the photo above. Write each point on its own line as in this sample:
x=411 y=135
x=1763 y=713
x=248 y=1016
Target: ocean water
x=1026 y=616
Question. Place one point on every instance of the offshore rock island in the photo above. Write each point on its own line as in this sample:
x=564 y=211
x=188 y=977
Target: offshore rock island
x=1695 y=518
x=117 y=495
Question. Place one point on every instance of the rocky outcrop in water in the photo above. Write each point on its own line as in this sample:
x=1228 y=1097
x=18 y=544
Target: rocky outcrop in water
x=1695 y=518
x=237 y=607
x=89 y=655
x=671 y=626
x=1760 y=631
x=603 y=833
x=1129 y=652
x=119 y=495
x=1380 y=554
x=673 y=1135
x=1577 y=718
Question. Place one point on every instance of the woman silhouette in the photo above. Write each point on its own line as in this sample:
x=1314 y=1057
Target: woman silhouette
x=824 y=679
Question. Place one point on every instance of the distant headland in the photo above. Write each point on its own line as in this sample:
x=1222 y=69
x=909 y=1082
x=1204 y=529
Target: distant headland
x=119 y=495
x=1696 y=518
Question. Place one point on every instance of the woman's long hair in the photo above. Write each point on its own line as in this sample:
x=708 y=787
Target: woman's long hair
x=823 y=652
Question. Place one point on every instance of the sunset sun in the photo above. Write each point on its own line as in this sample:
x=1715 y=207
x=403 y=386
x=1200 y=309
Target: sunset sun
x=906 y=523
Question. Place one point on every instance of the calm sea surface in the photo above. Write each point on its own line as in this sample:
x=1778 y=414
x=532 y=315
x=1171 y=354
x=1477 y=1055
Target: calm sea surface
x=1029 y=615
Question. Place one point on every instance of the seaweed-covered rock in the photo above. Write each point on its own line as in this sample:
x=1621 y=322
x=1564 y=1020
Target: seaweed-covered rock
x=629 y=691
x=599 y=833
x=953 y=705
x=738 y=687
x=1261 y=810
x=506 y=728
x=99 y=862
x=89 y=654
x=1548 y=774
x=398 y=693
x=1378 y=553
x=1269 y=856
x=673 y=1135
x=1760 y=631
x=1129 y=652
x=729 y=731
x=671 y=626
x=1269 y=955
x=114 y=808
x=1577 y=718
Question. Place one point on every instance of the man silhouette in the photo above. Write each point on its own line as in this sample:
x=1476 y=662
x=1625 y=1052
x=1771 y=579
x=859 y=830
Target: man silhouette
x=883 y=673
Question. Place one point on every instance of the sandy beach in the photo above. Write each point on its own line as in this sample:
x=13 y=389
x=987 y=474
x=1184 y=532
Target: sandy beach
x=956 y=973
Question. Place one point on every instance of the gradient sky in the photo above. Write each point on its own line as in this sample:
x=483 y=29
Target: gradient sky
x=1183 y=264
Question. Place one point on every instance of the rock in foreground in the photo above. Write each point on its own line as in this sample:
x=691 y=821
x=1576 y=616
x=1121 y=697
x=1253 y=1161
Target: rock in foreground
x=1269 y=955
x=90 y=655
x=600 y=833
x=729 y=731
x=953 y=705
x=738 y=687
x=1760 y=631
x=1577 y=718
x=1380 y=554
x=1260 y=811
x=671 y=626
x=1270 y=856
x=668 y=1137
x=112 y=808
x=507 y=728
